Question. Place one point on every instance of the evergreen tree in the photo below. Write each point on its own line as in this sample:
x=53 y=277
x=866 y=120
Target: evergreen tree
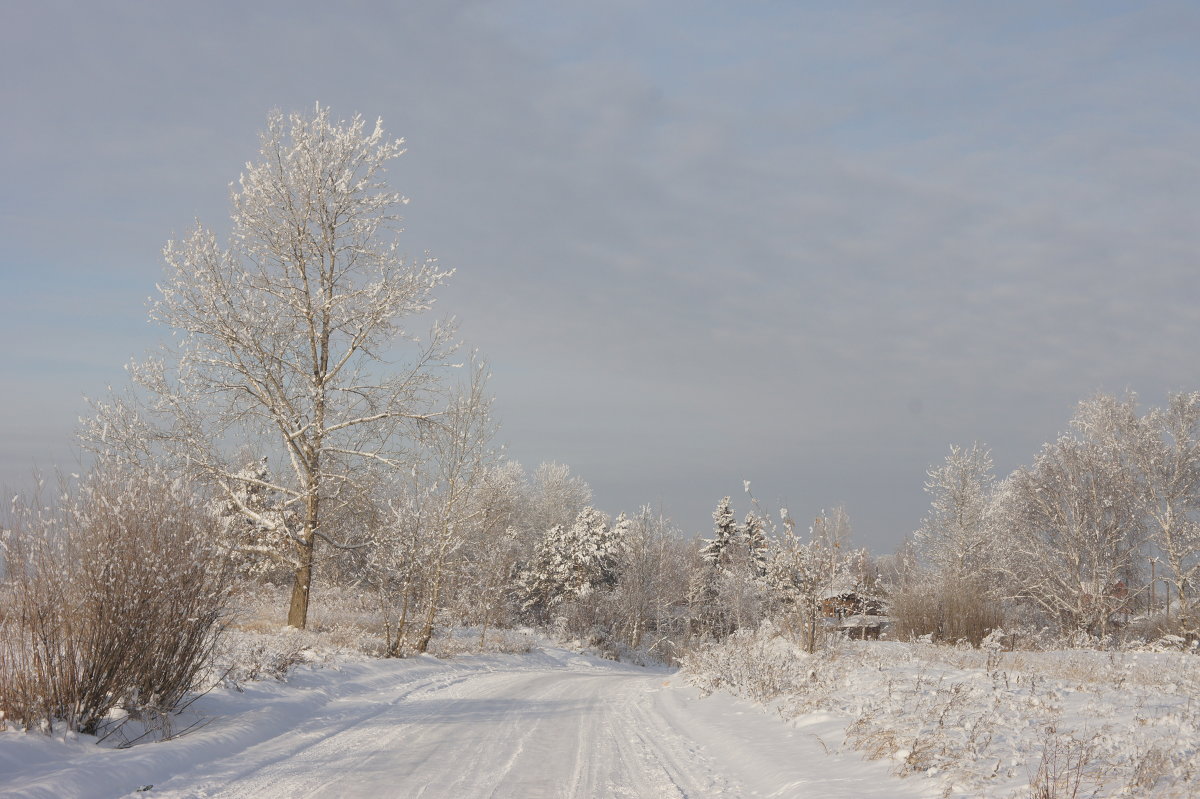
x=754 y=536
x=541 y=582
x=571 y=562
x=718 y=549
x=590 y=553
x=256 y=523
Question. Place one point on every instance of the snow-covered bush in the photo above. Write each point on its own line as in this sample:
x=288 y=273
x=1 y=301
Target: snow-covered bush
x=113 y=600
x=247 y=656
x=765 y=665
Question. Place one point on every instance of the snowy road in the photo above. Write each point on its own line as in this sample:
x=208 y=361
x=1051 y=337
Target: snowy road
x=551 y=724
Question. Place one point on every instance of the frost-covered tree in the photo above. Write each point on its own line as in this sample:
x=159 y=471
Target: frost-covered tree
x=493 y=549
x=954 y=538
x=1161 y=450
x=555 y=497
x=396 y=567
x=416 y=558
x=540 y=584
x=286 y=335
x=799 y=577
x=804 y=573
x=592 y=550
x=651 y=582
x=728 y=593
x=459 y=456
x=1072 y=525
x=754 y=535
x=611 y=546
x=572 y=562
x=1172 y=498
x=948 y=594
x=832 y=530
x=719 y=549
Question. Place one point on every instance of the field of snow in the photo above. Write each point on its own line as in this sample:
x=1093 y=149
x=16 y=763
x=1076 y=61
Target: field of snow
x=549 y=723
x=983 y=722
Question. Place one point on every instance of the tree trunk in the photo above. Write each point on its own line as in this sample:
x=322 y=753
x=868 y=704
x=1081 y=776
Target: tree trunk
x=435 y=594
x=431 y=615
x=810 y=646
x=395 y=645
x=302 y=582
x=298 y=609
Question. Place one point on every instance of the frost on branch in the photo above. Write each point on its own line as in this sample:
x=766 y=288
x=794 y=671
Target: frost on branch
x=287 y=338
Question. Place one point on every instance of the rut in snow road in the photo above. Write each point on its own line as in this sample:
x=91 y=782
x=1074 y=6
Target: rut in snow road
x=551 y=724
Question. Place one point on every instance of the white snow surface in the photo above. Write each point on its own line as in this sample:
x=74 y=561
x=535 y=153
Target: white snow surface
x=983 y=723
x=550 y=723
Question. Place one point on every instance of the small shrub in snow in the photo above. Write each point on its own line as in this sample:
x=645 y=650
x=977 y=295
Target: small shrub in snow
x=248 y=656
x=114 y=601
x=763 y=665
x=1064 y=768
x=452 y=641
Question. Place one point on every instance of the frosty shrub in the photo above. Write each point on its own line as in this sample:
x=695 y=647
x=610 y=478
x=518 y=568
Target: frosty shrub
x=1063 y=770
x=452 y=642
x=915 y=611
x=113 y=600
x=949 y=611
x=982 y=721
x=245 y=656
x=764 y=665
x=928 y=725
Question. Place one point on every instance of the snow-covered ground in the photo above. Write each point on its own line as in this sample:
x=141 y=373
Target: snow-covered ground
x=753 y=717
x=983 y=722
x=549 y=723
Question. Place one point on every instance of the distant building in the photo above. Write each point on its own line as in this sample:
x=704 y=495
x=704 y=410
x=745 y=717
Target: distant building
x=854 y=614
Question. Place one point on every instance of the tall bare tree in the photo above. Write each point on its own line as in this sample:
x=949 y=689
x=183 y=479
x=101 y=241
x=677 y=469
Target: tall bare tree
x=460 y=454
x=285 y=335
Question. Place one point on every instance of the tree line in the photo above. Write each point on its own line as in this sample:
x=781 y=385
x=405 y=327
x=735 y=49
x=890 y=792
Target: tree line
x=1099 y=535
x=312 y=424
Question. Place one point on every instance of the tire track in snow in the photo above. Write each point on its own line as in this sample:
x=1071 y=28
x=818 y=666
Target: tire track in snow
x=548 y=725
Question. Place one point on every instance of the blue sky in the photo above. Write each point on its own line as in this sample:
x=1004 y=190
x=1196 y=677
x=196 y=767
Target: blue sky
x=806 y=244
